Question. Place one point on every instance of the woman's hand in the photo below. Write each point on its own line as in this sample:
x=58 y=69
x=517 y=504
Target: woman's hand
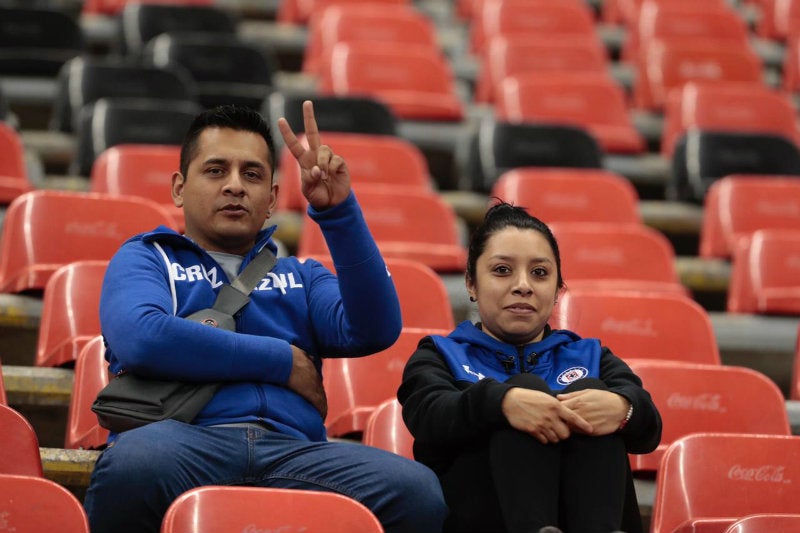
x=604 y=410
x=324 y=175
x=541 y=415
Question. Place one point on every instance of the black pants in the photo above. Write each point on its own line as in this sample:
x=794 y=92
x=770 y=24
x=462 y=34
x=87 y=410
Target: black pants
x=517 y=484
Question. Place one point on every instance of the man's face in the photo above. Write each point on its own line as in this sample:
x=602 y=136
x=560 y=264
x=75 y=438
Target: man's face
x=228 y=192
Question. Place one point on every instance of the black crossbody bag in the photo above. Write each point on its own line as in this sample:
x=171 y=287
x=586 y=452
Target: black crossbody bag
x=130 y=401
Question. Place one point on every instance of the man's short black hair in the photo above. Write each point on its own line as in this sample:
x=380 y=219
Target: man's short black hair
x=234 y=117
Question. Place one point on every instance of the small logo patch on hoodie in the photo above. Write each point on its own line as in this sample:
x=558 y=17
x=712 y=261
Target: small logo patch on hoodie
x=572 y=374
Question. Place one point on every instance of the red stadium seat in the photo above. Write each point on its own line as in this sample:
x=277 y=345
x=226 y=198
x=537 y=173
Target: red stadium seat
x=13 y=173
x=415 y=225
x=371 y=159
x=707 y=481
x=692 y=398
x=44 y=230
x=299 y=12
x=19 y=444
x=570 y=195
x=625 y=256
x=794 y=388
x=356 y=386
x=414 y=82
x=223 y=508
x=667 y=64
x=69 y=312
x=734 y=107
x=595 y=102
x=640 y=325
x=517 y=53
x=387 y=431
x=91 y=375
x=3 y=399
x=33 y=504
x=736 y=206
x=758 y=523
x=143 y=170
x=765 y=274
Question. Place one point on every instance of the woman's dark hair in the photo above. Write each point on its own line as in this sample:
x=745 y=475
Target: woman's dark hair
x=503 y=215
x=237 y=118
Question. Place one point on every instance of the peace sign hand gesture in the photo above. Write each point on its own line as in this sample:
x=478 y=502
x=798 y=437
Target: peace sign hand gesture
x=324 y=175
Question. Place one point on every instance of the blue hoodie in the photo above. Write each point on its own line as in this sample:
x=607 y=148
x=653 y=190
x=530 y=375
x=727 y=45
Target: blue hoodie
x=158 y=277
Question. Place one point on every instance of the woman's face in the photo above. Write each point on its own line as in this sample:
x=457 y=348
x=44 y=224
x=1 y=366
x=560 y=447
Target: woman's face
x=515 y=285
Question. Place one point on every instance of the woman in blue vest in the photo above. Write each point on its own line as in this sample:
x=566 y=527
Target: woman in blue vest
x=526 y=426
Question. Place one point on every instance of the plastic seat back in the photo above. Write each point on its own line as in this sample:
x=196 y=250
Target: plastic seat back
x=372 y=159
x=37 y=41
x=592 y=101
x=115 y=7
x=794 y=388
x=640 y=325
x=3 y=399
x=765 y=274
x=355 y=386
x=29 y=504
x=84 y=226
x=570 y=195
x=91 y=375
x=414 y=82
x=143 y=170
x=19 y=444
x=509 y=55
x=692 y=398
x=737 y=205
x=667 y=64
x=758 y=523
x=299 y=12
x=718 y=478
x=732 y=106
x=223 y=508
x=69 y=312
x=415 y=225
x=13 y=173
x=387 y=431
x=632 y=256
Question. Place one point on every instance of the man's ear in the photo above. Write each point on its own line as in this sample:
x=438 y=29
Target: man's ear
x=177 y=189
x=273 y=198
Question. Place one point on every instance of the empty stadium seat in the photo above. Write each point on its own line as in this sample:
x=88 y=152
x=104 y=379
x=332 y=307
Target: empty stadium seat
x=356 y=386
x=499 y=146
x=225 y=68
x=640 y=324
x=36 y=41
x=109 y=122
x=13 y=173
x=299 y=12
x=665 y=64
x=710 y=480
x=765 y=274
x=509 y=55
x=592 y=101
x=733 y=107
x=371 y=159
x=19 y=444
x=91 y=375
x=737 y=205
x=115 y=7
x=44 y=230
x=702 y=157
x=794 y=388
x=83 y=81
x=759 y=523
x=790 y=68
x=69 y=312
x=387 y=431
x=415 y=83
x=142 y=21
x=31 y=504
x=143 y=170
x=415 y=225
x=632 y=256
x=692 y=398
x=223 y=508
x=397 y=23
x=570 y=194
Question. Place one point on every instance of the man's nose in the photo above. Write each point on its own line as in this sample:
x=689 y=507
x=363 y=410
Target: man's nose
x=234 y=183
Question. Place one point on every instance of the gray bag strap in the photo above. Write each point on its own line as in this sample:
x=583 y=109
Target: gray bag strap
x=233 y=297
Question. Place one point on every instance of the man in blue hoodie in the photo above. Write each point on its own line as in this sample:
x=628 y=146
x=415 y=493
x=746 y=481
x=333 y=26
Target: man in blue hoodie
x=264 y=426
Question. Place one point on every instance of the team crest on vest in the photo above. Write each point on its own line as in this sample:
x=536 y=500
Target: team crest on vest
x=572 y=374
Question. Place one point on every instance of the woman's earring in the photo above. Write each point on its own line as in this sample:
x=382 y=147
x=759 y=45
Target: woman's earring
x=473 y=299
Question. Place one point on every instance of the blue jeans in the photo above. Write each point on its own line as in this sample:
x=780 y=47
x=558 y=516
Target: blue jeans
x=136 y=479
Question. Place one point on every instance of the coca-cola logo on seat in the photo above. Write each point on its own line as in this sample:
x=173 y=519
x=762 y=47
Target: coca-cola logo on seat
x=761 y=474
